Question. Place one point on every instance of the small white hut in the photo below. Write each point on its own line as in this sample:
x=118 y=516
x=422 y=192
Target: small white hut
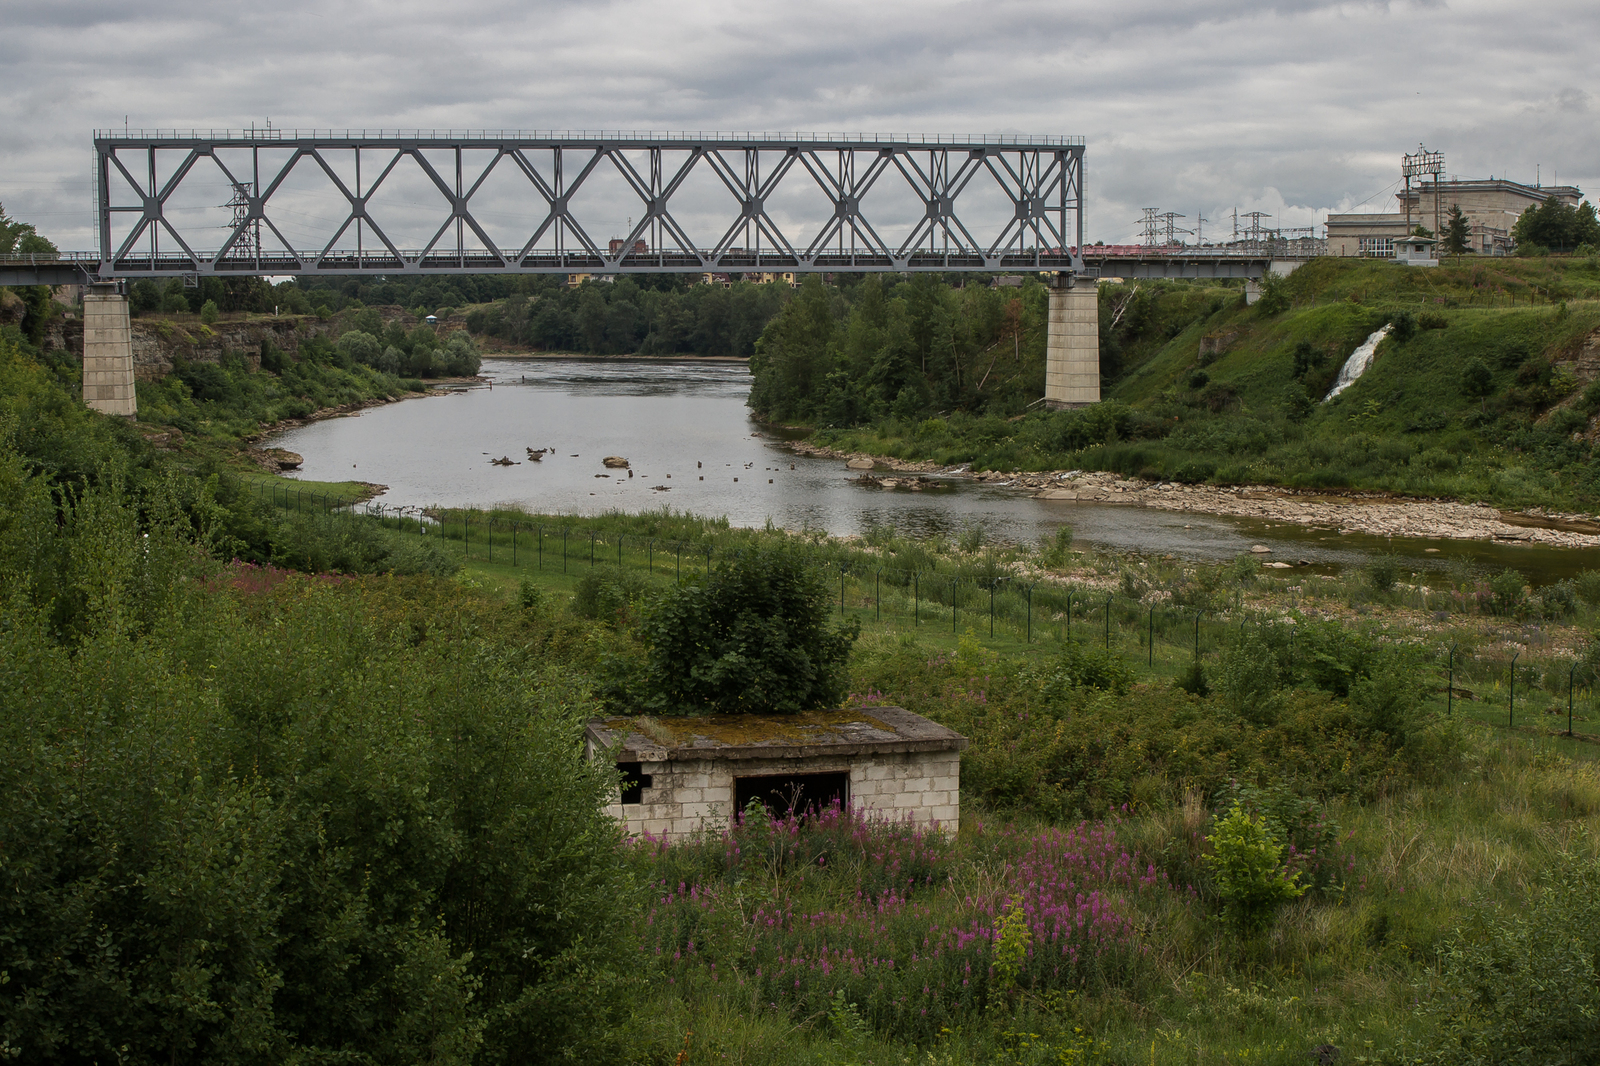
x=1416 y=251
x=685 y=774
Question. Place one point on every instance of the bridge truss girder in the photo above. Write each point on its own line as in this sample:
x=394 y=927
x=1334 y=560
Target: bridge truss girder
x=1041 y=177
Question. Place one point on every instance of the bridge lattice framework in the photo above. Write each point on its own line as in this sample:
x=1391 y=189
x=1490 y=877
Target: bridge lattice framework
x=1040 y=178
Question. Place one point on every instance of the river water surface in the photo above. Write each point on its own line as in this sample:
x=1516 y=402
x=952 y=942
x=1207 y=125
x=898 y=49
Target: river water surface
x=693 y=446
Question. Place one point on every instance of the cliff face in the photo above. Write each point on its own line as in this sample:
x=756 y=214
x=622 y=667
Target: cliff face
x=158 y=341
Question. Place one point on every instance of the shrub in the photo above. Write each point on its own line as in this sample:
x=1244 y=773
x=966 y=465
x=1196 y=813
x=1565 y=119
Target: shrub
x=608 y=594
x=1476 y=380
x=1403 y=327
x=1193 y=679
x=1506 y=592
x=1522 y=985
x=1246 y=861
x=1056 y=550
x=753 y=638
x=1432 y=320
x=1382 y=572
x=1248 y=679
x=209 y=313
x=1081 y=667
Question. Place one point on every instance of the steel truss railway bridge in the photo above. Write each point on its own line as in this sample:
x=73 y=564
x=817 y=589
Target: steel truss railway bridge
x=404 y=203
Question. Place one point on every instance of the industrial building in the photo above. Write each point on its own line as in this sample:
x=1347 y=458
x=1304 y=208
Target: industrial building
x=1491 y=206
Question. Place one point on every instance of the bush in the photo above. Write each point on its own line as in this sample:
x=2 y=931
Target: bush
x=753 y=638
x=1246 y=861
x=209 y=313
x=1383 y=571
x=1248 y=679
x=1056 y=550
x=1523 y=985
x=1477 y=381
x=1081 y=667
x=1506 y=592
x=608 y=594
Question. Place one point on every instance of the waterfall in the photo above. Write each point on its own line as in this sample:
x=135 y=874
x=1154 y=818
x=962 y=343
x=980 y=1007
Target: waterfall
x=1357 y=364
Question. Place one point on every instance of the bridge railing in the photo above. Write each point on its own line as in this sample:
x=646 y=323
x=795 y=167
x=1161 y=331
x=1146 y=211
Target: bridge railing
x=650 y=136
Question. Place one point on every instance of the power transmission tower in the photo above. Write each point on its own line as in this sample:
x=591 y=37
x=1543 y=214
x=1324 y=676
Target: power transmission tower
x=1172 y=229
x=1150 y=227
x=1255 y=233
x=1199 y=228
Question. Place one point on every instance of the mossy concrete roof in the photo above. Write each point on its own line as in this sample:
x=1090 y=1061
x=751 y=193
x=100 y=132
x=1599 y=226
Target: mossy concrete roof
x=858 y=731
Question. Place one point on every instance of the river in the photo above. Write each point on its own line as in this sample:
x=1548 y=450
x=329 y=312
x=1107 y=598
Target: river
x=685 y=429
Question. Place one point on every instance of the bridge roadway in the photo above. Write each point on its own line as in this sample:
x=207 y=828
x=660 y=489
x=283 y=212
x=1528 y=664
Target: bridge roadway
x=81 y=268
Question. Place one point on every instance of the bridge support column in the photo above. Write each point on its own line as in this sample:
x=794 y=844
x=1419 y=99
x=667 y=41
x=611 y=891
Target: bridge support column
x=1072 y=344
x=108 y=353
x=1252 y=291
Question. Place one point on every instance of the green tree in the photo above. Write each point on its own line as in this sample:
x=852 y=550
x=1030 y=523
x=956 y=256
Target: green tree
x=1556 y=226
x=1477 y=381
x=753 y=638
x=21 y=238
x=209 y=312
x=1457 y=232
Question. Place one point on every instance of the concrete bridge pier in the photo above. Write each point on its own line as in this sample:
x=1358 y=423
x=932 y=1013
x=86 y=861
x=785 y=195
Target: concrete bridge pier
x=1072 y=344
x=108 y=352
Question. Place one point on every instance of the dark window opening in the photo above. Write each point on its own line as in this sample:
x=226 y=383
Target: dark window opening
x=634 y=781
x=783 y=794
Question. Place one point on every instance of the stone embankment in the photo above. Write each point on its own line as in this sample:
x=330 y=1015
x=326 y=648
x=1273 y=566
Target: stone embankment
x=1376 y=514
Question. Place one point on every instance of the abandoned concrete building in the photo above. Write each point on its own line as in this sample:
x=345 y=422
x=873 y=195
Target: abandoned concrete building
x=683 y=775
x=1491 y=206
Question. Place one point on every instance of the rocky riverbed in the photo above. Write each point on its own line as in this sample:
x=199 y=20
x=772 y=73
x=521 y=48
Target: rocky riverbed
x=1372 y=513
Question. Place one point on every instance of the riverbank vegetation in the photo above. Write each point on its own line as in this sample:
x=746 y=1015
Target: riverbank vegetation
x=294 y=780
x=261 y=814
x=1483 y=390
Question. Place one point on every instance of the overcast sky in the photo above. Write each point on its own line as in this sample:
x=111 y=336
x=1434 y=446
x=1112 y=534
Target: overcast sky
x=1294 y=108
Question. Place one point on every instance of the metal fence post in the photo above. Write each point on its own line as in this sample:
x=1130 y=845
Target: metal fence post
x=1069 y=617
x=991 y=608
x=591 y=549
x=563 y=549
x=877 y=593
x=841 y=592
x=619 y=550
x=491 y=540
x=1030 y=614
x=953 y=628
x=1197 y=615
x=1511 y=706
x=1570 y=672
x=513 y=545
x=1150 y=636
x=1450 y=684
x=916 y=598
x=1108 y=623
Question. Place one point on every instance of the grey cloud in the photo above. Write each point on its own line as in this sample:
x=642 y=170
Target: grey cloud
x=1292 y=107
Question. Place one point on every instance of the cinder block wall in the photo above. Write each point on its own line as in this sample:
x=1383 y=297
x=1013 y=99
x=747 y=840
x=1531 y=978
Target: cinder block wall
x=688 y=795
